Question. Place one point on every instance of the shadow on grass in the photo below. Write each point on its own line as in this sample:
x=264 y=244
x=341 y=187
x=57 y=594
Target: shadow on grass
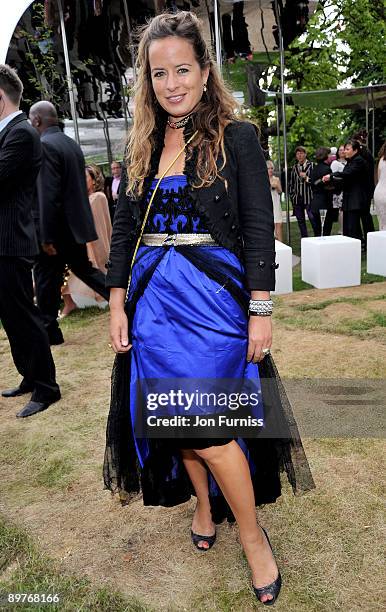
x=297 y=316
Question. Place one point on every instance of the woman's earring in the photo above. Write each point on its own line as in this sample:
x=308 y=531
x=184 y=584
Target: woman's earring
x=205 y=87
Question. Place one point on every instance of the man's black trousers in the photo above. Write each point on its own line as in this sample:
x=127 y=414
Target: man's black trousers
x=24 y=327
x=49 y=273
x=352 y=224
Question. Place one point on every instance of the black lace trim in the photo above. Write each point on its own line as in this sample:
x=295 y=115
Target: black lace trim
x=271 y=456
x=170 y=204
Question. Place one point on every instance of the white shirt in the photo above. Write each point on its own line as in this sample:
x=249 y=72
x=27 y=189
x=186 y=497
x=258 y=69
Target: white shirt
x=4 y=122
x=337 y=165
x=115 y=185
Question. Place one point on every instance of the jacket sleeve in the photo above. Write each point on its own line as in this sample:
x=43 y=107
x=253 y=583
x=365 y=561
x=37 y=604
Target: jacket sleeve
x=351 y=171
x=15 y=154
x=316 y=179
x=123 y=239
x=255 y=210
x=50 y=194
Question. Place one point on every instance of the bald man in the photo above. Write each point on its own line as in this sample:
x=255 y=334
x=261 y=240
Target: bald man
x=65 y=219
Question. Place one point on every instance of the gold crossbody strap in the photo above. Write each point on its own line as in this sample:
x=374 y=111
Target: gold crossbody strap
x=149 y=207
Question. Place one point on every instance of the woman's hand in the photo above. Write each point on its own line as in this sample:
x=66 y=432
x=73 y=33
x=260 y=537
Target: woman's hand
x=119 y=331
x=49 y=249
x=326 y=178
x=259 y=337
x=118 y=321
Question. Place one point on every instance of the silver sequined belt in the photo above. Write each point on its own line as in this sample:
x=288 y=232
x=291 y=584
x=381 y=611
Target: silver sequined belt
x=178 y=240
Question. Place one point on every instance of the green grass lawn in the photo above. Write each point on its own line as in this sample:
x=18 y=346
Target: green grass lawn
x=61 y=533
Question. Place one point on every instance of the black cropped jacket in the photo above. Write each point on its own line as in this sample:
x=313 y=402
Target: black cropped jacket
x=237 y=212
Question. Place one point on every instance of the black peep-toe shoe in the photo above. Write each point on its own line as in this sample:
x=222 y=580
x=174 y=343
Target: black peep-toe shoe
x=271 y=589
x=201 y=538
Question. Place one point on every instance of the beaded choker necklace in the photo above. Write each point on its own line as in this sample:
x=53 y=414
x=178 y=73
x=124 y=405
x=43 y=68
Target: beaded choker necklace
x=179 y=124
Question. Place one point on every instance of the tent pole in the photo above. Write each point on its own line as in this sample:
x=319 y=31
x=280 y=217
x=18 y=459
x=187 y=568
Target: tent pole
x=68 y=72
x=367 y=111
x=131 y=42
x=285 y=152
x=278 y=134
x=373 y=123
x=217 y=34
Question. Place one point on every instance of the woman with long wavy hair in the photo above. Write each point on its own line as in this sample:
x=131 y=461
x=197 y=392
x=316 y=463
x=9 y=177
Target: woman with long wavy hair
x=193 y=235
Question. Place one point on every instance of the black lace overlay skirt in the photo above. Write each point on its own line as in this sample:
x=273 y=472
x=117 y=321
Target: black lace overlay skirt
x=162 y=478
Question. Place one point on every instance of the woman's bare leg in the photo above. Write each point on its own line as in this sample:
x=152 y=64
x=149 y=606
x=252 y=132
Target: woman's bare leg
x=69 y=305
x=231 y=471
x=202 y=520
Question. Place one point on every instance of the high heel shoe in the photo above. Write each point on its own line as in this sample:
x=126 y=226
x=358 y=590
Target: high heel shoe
x=201 y=538
x=271 y=589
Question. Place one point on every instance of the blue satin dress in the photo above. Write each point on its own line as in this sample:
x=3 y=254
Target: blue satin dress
x=186 y=324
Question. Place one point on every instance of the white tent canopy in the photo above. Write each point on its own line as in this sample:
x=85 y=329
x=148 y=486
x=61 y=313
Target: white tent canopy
x=11 y=12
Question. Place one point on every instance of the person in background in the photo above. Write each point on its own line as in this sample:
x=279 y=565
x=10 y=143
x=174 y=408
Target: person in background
x=276 y=191
x=301 y=192
x=75 y=293
x=337 y=165
x=355 y=189
x=20 y=160
x=322 y=198
x=66 y=223
x=380 y=189
x=366 y=217
x=112 y=186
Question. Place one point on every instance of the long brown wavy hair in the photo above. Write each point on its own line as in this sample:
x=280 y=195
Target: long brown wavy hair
x=213 y=113
x=382 y=152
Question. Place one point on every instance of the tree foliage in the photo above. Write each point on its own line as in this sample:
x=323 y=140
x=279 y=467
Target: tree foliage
x=344 y=46
x=362 y=26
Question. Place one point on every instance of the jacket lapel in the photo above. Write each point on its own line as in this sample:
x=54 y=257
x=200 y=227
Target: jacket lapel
x=11 y=124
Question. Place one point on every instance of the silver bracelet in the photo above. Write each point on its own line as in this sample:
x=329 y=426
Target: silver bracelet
x=262 y=308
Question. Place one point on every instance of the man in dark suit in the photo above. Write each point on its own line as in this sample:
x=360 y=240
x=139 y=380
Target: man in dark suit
x=321 y=196
x=20 y=159
x=355 y=189
x=366 y=218
x=65 y=219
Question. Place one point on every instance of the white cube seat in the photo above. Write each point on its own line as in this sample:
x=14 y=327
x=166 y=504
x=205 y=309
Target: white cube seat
x=331 y=261
x=376 y=253
x=284 y=271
